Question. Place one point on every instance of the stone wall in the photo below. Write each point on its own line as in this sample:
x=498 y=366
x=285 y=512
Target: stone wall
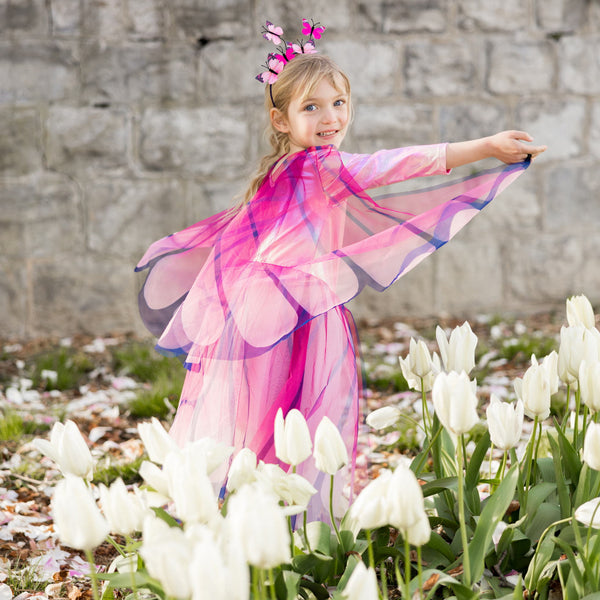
x=124 y=120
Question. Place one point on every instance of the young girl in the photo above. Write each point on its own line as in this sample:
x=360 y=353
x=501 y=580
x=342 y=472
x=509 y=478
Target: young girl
x=253 y=298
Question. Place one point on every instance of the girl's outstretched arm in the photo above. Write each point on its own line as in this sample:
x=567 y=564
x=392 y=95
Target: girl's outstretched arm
x=507 y=146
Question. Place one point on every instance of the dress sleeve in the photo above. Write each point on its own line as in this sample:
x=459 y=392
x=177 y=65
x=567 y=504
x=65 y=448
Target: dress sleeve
x=391 y=166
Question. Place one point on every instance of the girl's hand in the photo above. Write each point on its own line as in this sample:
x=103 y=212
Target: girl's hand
x=510 y=146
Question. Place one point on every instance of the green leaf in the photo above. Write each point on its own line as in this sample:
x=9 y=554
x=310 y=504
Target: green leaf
x=439 y=485
x=545 y=515
x=287 y=584
x=161 y=513
x=353 y=560
x=542 y=556
x=593 y=596
x=319 y=591
x=492 y=513
x=474 y=466
x=564 y=496
x=570 y=457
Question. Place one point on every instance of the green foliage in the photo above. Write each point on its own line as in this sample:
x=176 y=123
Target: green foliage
x=128 y=472
x=13 y=426
x=525 y=345
x=71 y=367
x=24 y=578
x=385 y=378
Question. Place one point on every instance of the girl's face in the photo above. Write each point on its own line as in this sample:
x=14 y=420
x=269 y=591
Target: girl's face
x=319 y=120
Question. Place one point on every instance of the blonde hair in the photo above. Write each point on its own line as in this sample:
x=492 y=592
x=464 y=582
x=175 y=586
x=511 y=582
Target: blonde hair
x=299 y=77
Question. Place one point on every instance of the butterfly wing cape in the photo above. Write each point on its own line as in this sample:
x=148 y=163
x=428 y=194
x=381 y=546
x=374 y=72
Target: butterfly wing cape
x=238 y=283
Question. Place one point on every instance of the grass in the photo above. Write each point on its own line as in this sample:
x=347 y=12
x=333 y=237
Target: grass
x=71 y=367
x=23 y=578
x=128 y=472
x=525 y=345
x=13 y=426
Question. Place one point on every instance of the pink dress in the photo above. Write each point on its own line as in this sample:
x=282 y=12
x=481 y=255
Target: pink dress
x=253 y=299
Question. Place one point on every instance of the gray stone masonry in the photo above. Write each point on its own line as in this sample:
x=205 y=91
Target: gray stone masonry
x=122 y=121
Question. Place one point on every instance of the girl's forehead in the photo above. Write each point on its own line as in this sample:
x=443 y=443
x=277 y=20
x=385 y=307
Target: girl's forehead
x=321 y=85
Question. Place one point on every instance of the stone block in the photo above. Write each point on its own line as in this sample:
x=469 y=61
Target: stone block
x=542 y=269
x=133 y=73
x=40 y=71
x=104 y=19
x=560 y=16
x=13 y=298
x=84 y=138
x=202 y=141
x=42 y=214
x=335 y=15
x=125 y=216
x=225 y=75
x=208 y=198
x=24 y=16
x=20 y=141
x=373 y=68
x=146 y=19
x=469 y=275
x=572 y=198
x=409 y=16
x=470 y=120
x=202 y=20
x=519 y=68
x=412 y=294
x=588 y=277
x=390 y=126
x=493 y=15
x=579 y=67
x=66 y=17
x=559 y=124
x=442 y=68
x=83 y=294
x=595 y=130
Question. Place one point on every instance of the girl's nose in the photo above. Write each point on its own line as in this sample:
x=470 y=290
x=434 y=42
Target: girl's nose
x=328 y=115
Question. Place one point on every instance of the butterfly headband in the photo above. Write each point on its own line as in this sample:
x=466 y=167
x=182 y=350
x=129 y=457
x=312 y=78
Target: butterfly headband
x=286 y=51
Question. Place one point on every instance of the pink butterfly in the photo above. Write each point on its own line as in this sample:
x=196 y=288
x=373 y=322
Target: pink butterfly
x=274 y=66
x=287 y=55
x=304 y=48
x=312 y=30
x=272 y=33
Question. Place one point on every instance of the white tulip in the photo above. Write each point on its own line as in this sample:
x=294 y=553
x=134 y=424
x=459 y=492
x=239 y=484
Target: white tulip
x=260 y=525
x=190 y=486
x=405 y=499
x=289 y=487
x=155 y=477
x=214 y=453
x=157 y=441
x=77 y=519
x=580 y=312
x=455 y=401
x=167 y=552
x=589 y=384
x=123 y=510
x=591 y=446
x=384 y=417
x=68 y=450
x=576 y=345
x=419 y=532
x=505 y=422
x=458 y=353
x=292 y=437
x=589 y=513
x=534 y=391
x=362 y=584
x=370 y=510
x=419 y=358
x=208 y=572
x=242 y=469
x=330 y=452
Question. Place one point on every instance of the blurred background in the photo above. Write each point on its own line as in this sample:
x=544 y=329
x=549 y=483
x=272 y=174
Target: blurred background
x=122 y=121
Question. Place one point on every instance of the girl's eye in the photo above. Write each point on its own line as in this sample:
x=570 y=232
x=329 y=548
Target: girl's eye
x=310 y=107
x=339 y=102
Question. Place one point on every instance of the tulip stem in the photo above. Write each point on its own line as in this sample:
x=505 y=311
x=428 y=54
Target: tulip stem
x=420 y=571
x=337 y=531
x=306 y=534
x=461 y=512
x=426 y=417
x=529 y=458
x=406 y=565
x=370 y=548
x=272 y=584
x=584 y=424
x=576 y=421
x=291 y=530
x=93 y=574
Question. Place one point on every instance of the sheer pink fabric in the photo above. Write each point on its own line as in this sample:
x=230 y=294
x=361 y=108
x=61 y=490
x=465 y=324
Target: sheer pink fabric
x=252 y=299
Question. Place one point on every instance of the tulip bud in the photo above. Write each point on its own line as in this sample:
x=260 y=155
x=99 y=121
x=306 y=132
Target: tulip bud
x=362 y=584
x=155 y=477
x=292 y=438
x=419 y=532
x=591 y=446
x=157 y=441
x=589 y=384
x=458 y=353
x=242 y=469
x=419 y=358
x=260 y=524
x=167 y=552
x=289 y=487
x=384 y=417
x=370 y=510
x=505 y=422
x=330 y=452
x=534 y=391
x=68 y=449
x=405 y=499
x=77 y=518
x=580 y=312
x=123 y=510
x=576 y=344
x=208 y=573
x=589 y=513
x=455 y=401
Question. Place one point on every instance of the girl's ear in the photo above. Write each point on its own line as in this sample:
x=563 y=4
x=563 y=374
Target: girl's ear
x=278 y=120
